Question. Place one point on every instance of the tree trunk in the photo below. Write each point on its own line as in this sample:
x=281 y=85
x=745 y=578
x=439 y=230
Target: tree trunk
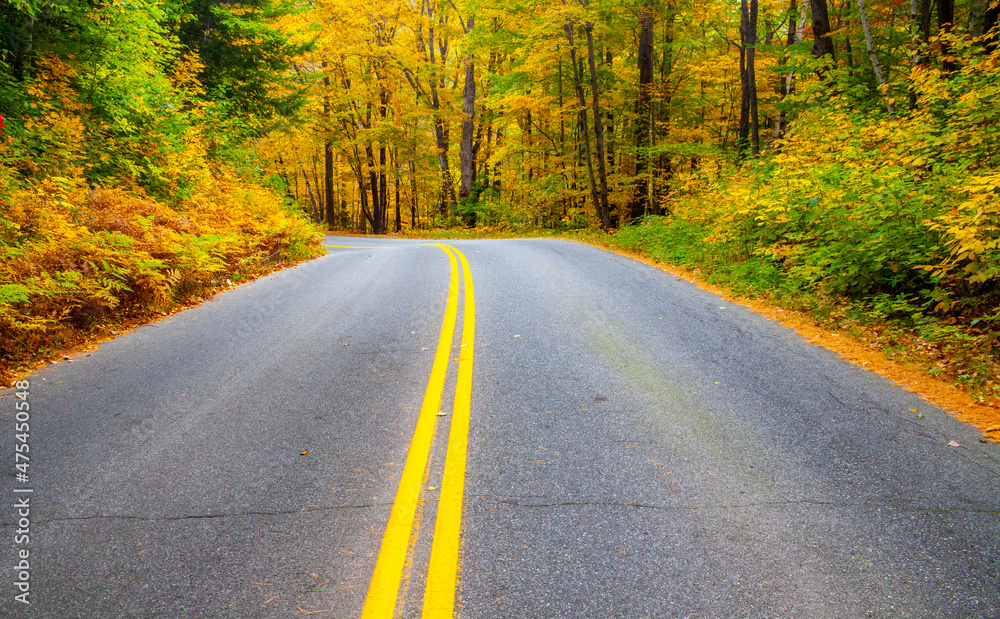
x=990 y=20
x=882 y=88
x=746 y=37
x=468 y=118
x=602 y=169
x=752 y=79
x=610 y=113
x=785 y=82
x=377 y=218
x=363 y=192
x=331 y=211
x=413 y=195
x=925 y=24
x=305 y=175
x=643 y=113
x=447 y=186
x=317 y=216
x=946 y=21
x=399 y=216
x=383 y=189
x=328 y=159
x=822 y=43
x=584 y=129
x=661 y=120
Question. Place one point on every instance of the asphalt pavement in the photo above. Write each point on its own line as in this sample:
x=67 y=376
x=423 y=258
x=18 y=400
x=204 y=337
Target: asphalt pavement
x=637 y=447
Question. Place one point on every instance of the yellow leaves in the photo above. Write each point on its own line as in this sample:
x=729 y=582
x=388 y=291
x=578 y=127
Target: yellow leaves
x=78 y=253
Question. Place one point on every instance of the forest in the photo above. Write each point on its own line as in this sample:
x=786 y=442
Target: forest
x=844 y=154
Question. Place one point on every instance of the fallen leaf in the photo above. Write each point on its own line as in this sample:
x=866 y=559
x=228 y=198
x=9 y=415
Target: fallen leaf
x=304 y=452
x=953 y=444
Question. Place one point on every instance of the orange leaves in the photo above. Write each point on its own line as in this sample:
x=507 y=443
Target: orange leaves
x=73 y=255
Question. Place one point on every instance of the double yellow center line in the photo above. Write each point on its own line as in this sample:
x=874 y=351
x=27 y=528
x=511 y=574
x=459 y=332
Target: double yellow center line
x=442 y=571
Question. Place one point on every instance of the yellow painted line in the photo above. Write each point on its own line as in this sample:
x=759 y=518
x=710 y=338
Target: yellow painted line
x=442 y=572
x=358 y=247
x=384 y=588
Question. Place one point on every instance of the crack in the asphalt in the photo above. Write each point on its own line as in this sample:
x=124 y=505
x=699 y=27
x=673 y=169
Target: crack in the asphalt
x=291 y=512
x=931 y=510
x=839 y=401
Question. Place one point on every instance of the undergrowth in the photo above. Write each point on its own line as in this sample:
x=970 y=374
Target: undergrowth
x=77 y=260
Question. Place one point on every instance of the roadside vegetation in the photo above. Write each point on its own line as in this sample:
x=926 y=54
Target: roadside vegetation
x=840 y=159
x=126 y=189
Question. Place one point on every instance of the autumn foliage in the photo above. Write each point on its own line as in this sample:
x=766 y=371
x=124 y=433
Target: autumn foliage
x=113 y=205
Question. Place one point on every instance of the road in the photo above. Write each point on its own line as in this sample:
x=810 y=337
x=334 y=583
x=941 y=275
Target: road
x=636 y=447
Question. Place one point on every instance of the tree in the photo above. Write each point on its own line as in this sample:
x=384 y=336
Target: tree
x=749 y=133
x=643 y=113
x=822 y=43
x=876 y=67
x=246 y=59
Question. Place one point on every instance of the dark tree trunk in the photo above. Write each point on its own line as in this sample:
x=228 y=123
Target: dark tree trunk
x=377 y=210
x=562 y=128
x=661 y=122
x=608 y=60
x=602 y=170
x=328 y=161
x=317 y=216
x=584 y=129
x=399 y=216
x=643 y=113
x=383 y=189
x=748 y=138
x=990 y=20
x=383 y=111
x=363 y=192
x=925 y=24
x=447 y=186
x=468 y=118
x=498 y=165
x=413 y=194
x=331 y=211
x=822 y=43
x=752 y=75
x=527 y=141
x=785 y=83
x=946 y=21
